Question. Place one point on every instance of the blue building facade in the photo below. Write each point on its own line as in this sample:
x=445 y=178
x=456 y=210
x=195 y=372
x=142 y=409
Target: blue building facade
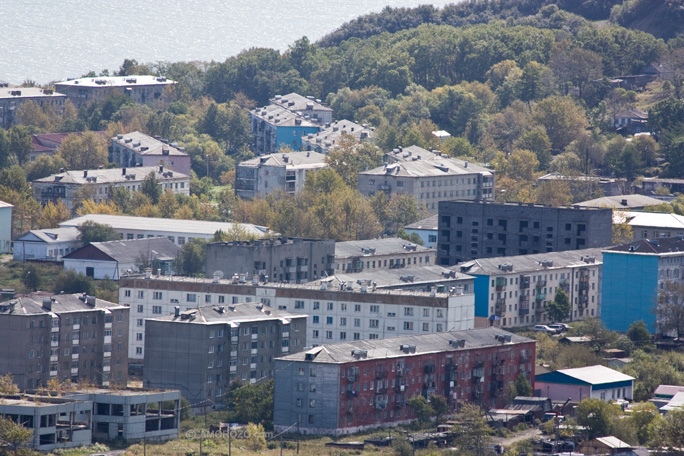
x=630 y=286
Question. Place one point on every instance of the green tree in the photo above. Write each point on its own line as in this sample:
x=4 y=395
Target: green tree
x=562 y=118
x=14 y=436
x=522 y=386
x=412 y=237
x=639 y=335
x=31 y=278
x=255 y=437
x=72 y=282
x=652 y=371
x=559 y=308
x=191 y=258
x=7 y=385
x=668 y=435
x=151 y=187
x=421 y=408
x=20 y=144
x=97 y=232
x=597 y=416
x=84 y=150
x=252 y=402
x=473 y=434
x=439 y=406
x=350 y=157
x=537 y=141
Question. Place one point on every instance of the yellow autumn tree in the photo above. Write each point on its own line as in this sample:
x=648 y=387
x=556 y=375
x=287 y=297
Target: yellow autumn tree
x=53 y=214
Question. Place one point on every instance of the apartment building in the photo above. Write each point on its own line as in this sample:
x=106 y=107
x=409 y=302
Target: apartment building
x=286 y=121
x=65 y=337
x=177 y=230
x=379 y=254
x=328 y=138
x=142 y=89
x=5 y=226
x=426 y=229
x=67 y=186
x=514 y=291
x=202 y=350
x=350 y=387
x=266 y=174
x=12 y=98
x=138 y=149
x=349 y=311
x=652 y=225
x=634 y=274
x=415 y=278
x=429 y=181
x=470 y=230
x=292 y=260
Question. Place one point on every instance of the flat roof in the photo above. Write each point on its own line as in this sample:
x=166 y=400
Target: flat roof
x=28 y=92
x=126 y=222
x=532 y=263
x=395 y=347
x=117 y=81
x=385 y=246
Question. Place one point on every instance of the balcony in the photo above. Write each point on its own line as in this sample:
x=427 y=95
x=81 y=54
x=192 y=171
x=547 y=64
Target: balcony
x=76 y=327
x=254 y=351
x=285 y=350
x=540 y=296
x=400 y=388
x=429 y=368
x=352 y=393
x=54 y=358
x=53 y=373
x=540 y=283
x=233 y=368
x=402 y=372
x=286 y=334
x=381 y=390
x=234 y=338
x=478 y=372
x=108 y=325
x=233 y=354
x=252 y=366
x=55 y=329
x=380 y=405
x=107 y=339
x=350 y=410
x=54 y=343
x=74 y=356
x=381 y=374
x=107 y=354
x=255 y=336
x=74 y=371
x=106 y=368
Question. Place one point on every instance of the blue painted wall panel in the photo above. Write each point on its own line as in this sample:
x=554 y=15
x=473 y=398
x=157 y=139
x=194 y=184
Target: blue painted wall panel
x=629 y=289
x=481 y=296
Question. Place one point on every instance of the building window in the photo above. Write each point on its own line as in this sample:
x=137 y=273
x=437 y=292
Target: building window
x=157 y=295
x=138 y=336
x=127 y=293
x=299 y=304
x=408 y=311
x=328 y=320
x=191 y=297
x=316 y=305
x=408 y=326
x=140 y=308
x=156 y=309
x=373 y=323
x=141 y=294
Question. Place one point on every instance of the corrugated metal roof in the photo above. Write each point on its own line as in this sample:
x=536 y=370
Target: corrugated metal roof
x=129 y=251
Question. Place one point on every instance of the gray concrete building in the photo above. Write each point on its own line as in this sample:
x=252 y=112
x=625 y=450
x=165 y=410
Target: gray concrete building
x=202 y=350
x=378 y=254
x=428 y=176
x=469 y=230
x=12 y=99
x=138 y=149
x=64 y=337
x=329 y=137
x=143 y=89
x=263 y=175
x=292 y=260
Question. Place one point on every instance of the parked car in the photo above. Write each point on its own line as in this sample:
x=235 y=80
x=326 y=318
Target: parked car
x=544 y=328
x=560 y=327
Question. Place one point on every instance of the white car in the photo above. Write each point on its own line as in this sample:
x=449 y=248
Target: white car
x=559 y=327
x=544 y=328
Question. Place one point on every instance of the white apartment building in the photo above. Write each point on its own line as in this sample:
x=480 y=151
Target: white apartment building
x=345 y=312
x=143 y=89
x=12 y=98
x=514 y=291
x=381 y=254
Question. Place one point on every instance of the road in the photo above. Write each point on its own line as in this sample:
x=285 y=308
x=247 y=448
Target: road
x=525 y=435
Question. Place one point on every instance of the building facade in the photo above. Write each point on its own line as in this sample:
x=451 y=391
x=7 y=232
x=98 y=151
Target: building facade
x=633 y=275
x=177 y=230
x=292 y=260
x=12 y=98
x=5 y=227
x=67 y=186
x=379 y=254
x=266 y=174
x=426 y=229
x=138 y=149
x=350 y=387
x=595 y=382
x=142 y=89
x=46 y=245
x=347 y=312
x=286 y=121
x=469 y=230
x=429 y=181
x=202 y=350
x=514 y=291
x=74 y=337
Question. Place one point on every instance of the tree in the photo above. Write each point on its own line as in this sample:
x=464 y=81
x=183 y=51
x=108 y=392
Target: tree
x=622 y=230
x=350 y=157
x=151 y=187
x=256 y=437
x=53 y=214
x=7 y=385
x=537 y=141
x=14 y=435
x=439 y=405
x=651 y=371
x=670 y=309
x=84 y=150
x=412 y=237
x=20 y=144
x=559 y=308
x=421 y=408
x=668 y=435
x=191 y=258
x=522 y=386
x=473 y=434
x=97 y=232
x=563 y=120
x=597 y=416
x=72 y=282
x=639 y=335
x=31 y=278
x=251 y=402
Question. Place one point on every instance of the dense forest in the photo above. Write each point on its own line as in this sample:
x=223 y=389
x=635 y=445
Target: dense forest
x=524 y=86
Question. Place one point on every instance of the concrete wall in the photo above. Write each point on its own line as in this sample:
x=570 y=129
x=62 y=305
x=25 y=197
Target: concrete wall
x=5 y=229
x=561 y=392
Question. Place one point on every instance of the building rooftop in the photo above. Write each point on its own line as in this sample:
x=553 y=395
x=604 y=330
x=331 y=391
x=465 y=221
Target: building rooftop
x=51 y=235
x=144 y=144
x=387 y=278
x=443 y=166
x=232 y=314
x=117 y=81
x=650 y=219
x=129 y=251
x=295 y=102
x=399 y=347
x=668 y=390
x=413 y=153
x=27 y=92
x=35 y=304
x=593 y=375
x=289 y=160
x=278 y=115
x=4 y=204
x=531 y=263
x=652 y=246
x=429 y=223
x=621 y=201
x=111 y=175
x=328 y=136
x=540 y=206
x=663 y=180
x=125 y=222
x=558 y=176
x=377 y=247
x=612 y=442
x=675 y=403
